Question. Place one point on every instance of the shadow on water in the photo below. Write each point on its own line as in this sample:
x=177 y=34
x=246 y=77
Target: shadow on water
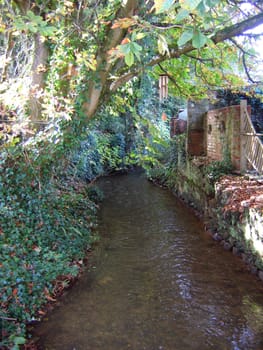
x=156 y=281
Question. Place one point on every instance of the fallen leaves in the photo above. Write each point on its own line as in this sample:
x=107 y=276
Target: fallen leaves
x=239 y=193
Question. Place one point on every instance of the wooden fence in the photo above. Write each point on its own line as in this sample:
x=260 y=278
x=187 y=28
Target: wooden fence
x=251 y=147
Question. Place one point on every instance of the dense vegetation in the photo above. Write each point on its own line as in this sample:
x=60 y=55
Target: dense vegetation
x=79 y=99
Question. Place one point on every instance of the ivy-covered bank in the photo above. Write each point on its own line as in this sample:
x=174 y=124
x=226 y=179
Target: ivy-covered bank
x=231 y=205
x=48 y=206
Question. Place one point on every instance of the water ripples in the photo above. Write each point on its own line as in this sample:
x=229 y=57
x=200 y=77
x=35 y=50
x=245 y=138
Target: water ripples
x=156 y=282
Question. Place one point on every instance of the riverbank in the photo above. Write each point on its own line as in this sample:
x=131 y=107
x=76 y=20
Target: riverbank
x=231 y=207
x=44 y=249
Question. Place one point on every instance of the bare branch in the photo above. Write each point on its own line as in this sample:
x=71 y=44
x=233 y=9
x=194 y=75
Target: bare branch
x=247 y=71
x=171 y=78
x=200 y=59
x=241 y=48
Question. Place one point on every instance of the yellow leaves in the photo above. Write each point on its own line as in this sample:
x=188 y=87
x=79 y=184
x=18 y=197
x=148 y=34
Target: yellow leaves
x=86 y=59
x=2 y=27
x=53 y=17
x=124 y=23
x=91 y=63
x=162 y=45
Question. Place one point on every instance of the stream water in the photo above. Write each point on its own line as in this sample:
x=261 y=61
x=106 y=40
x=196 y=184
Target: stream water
x=156 y=281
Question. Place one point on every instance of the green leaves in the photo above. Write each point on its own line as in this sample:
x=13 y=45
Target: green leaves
x=130 y=50
x=163 y=5
x=129 y=58
x=18 y=341
x=198 y=38
x=185 y=37
x=191 y=4
x=33 y=24
x=182 y=14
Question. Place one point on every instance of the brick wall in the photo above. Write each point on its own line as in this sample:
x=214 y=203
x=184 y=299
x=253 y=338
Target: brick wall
x=177 y=126
x=222 y=132
x=195 y=127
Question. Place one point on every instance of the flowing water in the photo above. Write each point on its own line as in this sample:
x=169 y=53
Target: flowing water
x=156 y=281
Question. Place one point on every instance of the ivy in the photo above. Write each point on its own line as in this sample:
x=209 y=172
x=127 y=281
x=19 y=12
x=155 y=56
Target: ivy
x=48 y=215
x=34 y=24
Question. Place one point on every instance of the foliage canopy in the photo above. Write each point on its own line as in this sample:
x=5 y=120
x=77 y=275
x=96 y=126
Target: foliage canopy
x=85 y=50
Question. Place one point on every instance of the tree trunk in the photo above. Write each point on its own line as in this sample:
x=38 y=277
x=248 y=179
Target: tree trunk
x=38 y=77
x=114 y=37
x=7 y=55
x=38 y=66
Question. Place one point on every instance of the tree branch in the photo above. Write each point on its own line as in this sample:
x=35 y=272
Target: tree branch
x=222 y=35
x=247 y=71
x=170 y=77
x=241 y=48
x=238 y=28
x=200 y=59
x=114 y=37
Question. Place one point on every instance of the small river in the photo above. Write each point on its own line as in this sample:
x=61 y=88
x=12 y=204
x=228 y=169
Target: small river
x=156 y=281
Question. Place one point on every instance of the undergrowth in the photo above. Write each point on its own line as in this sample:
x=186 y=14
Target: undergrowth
x=216 y=169
x=48 y=208
x=46 y=229
x=173 y=156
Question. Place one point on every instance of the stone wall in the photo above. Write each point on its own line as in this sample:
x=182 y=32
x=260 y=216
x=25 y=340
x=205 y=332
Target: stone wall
x=238 y=227
x=239 y=223
x=192 y=185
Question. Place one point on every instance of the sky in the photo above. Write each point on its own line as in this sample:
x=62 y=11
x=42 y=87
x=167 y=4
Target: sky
x=259 y=44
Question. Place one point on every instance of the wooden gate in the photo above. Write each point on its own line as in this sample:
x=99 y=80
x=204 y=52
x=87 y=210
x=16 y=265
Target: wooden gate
x=251 y=147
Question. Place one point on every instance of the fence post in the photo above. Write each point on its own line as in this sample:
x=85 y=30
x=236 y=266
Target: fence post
x=243 y=160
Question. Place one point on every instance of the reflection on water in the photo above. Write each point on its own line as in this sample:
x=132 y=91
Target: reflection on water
x=156 y=281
